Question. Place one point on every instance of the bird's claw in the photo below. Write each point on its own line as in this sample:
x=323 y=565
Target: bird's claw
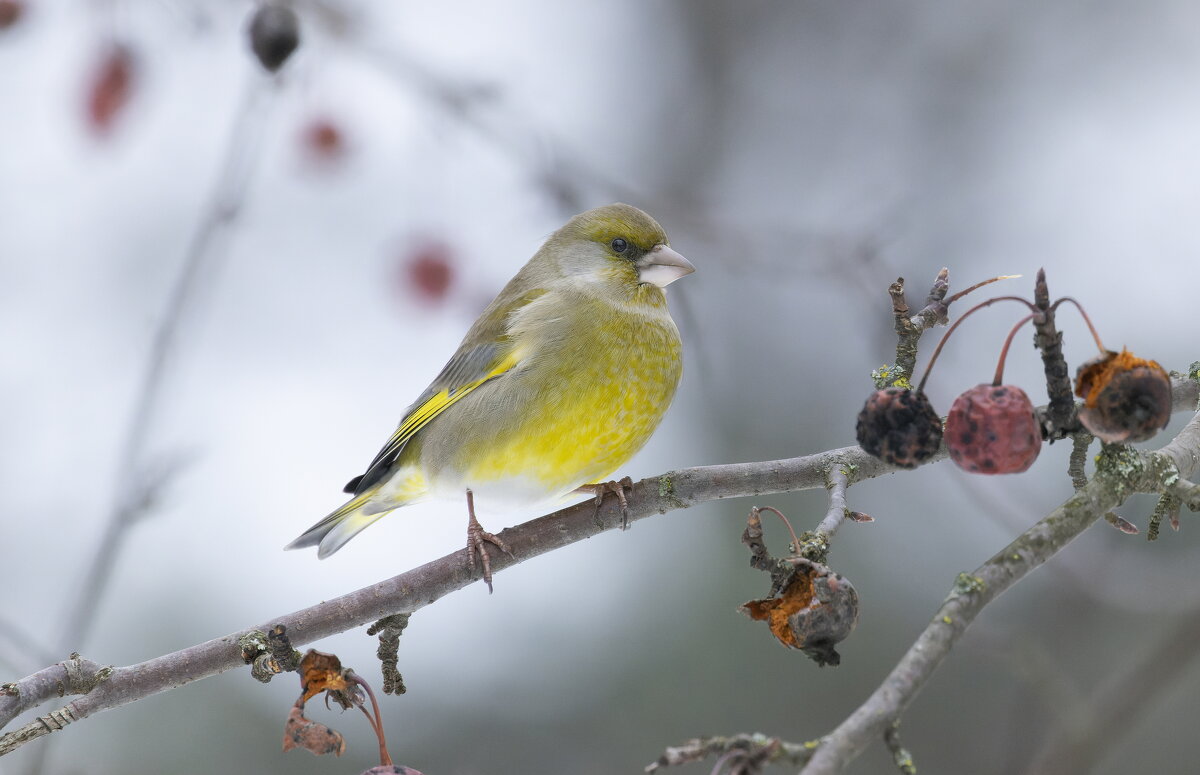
x=477 y=541
x=617 y=488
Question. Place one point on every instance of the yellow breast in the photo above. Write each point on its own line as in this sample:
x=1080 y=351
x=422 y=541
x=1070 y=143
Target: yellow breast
x=594 y=386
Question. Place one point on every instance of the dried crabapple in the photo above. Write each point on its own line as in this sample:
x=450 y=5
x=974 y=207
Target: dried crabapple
x=991 y=429
x=814 y=610
x=1125 y=398
x=899 y=426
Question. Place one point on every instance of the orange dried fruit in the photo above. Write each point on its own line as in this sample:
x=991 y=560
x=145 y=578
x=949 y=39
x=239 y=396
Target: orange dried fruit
x=1125 y=398
x=814 y=610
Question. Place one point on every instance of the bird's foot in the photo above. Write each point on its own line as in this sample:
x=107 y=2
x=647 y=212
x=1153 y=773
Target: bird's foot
x=477 y=541
x=617 y=488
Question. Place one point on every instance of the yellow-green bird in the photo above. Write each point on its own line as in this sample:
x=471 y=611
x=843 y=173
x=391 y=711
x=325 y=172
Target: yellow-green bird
x=559 y=382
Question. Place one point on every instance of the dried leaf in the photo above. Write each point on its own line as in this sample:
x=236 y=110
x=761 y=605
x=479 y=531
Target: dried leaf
x=312 y=736
x=321 y=672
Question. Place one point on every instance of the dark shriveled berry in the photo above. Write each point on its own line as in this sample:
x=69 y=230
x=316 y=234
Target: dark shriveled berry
x=274 y=35
x=991 y=429
x=900 y=427
x=1125 y=398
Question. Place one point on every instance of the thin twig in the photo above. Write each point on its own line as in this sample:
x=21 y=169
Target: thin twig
x=838 y=510
x=1187 y=493
x=701 y=748
x=900 y=755
x=1080 y=442
x=1058 y=418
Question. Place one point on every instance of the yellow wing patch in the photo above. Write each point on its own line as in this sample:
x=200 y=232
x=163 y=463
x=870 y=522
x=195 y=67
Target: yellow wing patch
x=439 y=402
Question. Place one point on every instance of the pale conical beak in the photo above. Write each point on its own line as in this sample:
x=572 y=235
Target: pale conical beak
x=663 y=266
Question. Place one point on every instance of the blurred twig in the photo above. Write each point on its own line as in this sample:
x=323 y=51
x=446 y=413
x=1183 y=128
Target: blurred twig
x=137 y=486
x=1081 y=742
x=478 y=106
x=674 y=490
x=28 y=653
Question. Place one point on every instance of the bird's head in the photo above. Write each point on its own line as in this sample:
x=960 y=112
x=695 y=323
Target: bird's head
x=616 y=246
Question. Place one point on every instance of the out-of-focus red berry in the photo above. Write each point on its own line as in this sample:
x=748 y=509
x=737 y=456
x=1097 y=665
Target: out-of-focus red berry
x=991 y=429
x=429 y=271
x=323 y=139
x=10 y=13
x=111 y=88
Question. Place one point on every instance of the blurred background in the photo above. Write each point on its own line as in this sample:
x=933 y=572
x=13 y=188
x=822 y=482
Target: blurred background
x=345 y=222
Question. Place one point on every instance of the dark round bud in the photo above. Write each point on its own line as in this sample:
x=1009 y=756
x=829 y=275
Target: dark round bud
x=1125 y=398
x=899 y=426
x=274 y=35
x=991 y=429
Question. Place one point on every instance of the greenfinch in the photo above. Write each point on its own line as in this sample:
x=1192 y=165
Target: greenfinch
x=559 y=382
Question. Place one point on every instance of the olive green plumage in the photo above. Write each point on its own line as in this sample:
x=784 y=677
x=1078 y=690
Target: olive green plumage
x=559 y=382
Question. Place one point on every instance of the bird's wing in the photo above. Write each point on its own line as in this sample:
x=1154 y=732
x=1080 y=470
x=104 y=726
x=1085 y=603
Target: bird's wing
x=484 y=355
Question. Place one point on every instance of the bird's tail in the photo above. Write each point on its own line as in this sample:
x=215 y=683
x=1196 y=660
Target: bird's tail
x=332 y=533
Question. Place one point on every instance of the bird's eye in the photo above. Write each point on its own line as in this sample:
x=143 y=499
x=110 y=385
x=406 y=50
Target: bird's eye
x=619 y=245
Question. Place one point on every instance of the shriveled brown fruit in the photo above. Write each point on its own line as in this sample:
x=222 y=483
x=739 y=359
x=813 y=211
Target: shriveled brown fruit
x=1125 y=398
x=899 y=426
x=991 y=429
x=814 y=610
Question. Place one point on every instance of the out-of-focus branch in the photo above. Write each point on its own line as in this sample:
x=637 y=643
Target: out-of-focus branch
x=479 y=107
x=137 y=487
x=1082 y=742
x=972 y=592
x=31 y=653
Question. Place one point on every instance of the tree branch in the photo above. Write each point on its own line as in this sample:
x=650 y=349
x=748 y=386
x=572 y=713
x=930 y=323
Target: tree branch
x=680 y=489
x=421 y=586
x=972 y=592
